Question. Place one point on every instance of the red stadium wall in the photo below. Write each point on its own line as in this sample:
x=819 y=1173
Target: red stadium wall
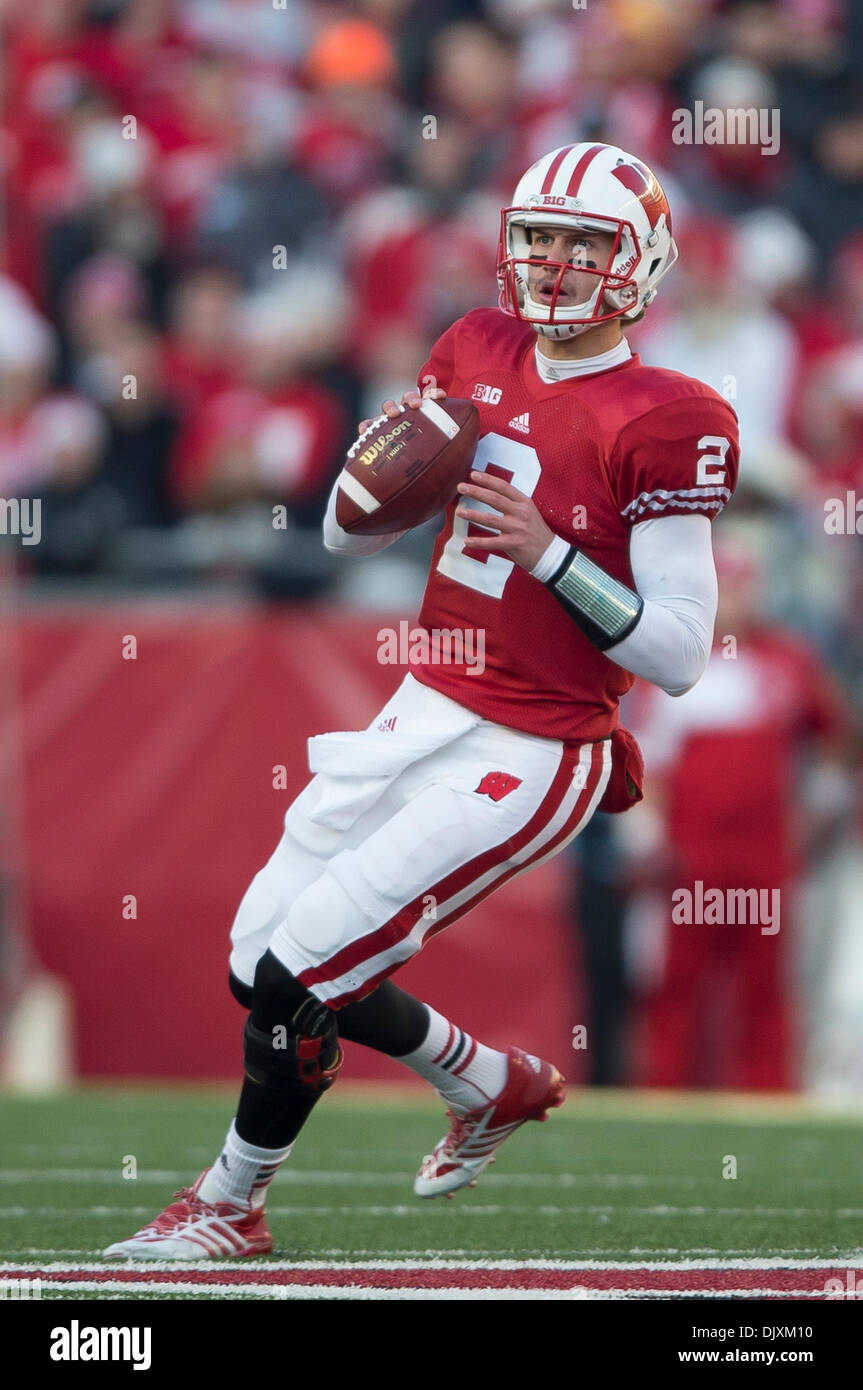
x=153 y=777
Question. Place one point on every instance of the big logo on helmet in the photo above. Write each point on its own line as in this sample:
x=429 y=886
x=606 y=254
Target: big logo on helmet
x=645 y=185
x=498 y=784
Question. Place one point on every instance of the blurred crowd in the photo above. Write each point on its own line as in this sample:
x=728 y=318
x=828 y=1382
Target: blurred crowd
x=234 y=226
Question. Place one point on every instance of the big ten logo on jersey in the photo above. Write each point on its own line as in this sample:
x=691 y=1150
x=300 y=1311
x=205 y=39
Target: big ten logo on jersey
x=490 y=394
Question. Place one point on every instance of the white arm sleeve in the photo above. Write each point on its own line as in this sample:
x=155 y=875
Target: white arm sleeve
x=672 y=565
x=343 y=543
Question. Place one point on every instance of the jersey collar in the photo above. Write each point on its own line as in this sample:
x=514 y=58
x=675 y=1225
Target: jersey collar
x=594 y=366
x=550 y=371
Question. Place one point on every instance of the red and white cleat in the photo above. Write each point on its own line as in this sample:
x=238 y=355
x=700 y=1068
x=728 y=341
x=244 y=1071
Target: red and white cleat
x=190 y=1229
x=532 y=1088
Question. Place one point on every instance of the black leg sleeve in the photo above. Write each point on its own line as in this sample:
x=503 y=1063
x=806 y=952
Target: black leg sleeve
x=390 y=1021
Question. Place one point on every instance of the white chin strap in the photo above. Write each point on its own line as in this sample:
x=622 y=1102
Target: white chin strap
x=561 y=330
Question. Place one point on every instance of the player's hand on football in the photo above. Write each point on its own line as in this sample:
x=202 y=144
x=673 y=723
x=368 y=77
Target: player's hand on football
x=519 y=531
x=412 y=399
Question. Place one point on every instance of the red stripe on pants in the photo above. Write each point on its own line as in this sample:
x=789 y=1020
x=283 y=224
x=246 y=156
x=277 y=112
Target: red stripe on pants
x=403 y=922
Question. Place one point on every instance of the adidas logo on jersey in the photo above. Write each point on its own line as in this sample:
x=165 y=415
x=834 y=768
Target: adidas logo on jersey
x=521 y=423
x=387 y=726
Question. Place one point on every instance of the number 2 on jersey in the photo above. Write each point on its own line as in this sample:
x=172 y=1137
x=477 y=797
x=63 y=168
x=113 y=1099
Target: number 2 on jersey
x=516 y=463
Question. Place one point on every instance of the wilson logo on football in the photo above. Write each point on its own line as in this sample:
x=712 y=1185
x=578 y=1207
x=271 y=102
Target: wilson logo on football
x=373 y=451
x=369 y=455
x=497 y=785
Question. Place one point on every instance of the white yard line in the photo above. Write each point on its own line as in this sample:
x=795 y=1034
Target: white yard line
x=465 y=1210
x=328 y=1291
x=335 y=1178
x=273 y=1266
x=625 y=1255
x=281 y=1293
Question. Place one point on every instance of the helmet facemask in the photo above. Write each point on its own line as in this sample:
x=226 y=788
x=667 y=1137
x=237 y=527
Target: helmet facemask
x=614 y=296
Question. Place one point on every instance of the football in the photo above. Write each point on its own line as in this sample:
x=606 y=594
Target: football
x=401 y=472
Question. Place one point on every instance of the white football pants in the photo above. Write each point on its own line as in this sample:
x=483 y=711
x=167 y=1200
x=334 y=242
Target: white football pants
x=402 y=829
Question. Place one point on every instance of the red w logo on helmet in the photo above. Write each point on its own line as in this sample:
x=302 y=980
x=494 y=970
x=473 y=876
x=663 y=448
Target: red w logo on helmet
x=645 y=185
x=498 y=784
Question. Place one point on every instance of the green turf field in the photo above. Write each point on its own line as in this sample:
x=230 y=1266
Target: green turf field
x=610 y=1176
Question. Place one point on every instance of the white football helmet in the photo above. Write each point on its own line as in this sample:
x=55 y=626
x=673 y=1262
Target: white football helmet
x=596 y=188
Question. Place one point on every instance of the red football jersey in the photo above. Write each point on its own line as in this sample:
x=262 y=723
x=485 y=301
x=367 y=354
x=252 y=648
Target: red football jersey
x=597 y=454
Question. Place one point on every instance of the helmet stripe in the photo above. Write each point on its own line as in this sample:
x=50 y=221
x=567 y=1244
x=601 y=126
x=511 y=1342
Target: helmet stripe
x=553 y=167
x=581 y=168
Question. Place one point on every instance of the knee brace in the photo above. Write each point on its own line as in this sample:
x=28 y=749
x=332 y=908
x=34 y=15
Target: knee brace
x=290 y=1038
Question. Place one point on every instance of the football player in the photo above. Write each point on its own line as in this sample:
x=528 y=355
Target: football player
x=581 y=547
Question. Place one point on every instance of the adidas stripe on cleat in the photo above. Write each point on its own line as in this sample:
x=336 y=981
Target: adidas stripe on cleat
x=533 y=1087
x=190 y=1229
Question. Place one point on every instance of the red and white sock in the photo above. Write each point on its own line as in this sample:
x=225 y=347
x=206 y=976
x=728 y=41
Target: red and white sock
x=466 y=1073
x=242 y=1173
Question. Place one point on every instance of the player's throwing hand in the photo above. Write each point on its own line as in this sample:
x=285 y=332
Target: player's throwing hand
x=519 y=527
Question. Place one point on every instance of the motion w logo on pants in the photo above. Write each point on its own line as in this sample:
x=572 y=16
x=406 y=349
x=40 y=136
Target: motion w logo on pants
x=498 y=784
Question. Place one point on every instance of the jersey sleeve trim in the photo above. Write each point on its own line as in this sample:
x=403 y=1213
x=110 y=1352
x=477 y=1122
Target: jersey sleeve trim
x=690 y=499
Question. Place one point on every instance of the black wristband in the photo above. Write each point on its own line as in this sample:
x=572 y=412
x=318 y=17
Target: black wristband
x=604 y=609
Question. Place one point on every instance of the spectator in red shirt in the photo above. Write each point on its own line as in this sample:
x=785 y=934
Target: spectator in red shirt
x=200 y=346
x=831 y=395
x=48 y=439
x=731 y=810
x=352 y=123
x=274 y=435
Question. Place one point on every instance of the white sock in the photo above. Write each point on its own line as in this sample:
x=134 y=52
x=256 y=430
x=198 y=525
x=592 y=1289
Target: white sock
x=242 y=1173
x=466 y=1073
